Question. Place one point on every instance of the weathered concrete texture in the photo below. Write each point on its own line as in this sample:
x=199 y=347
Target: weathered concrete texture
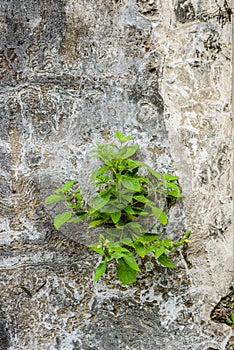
x=72 y=72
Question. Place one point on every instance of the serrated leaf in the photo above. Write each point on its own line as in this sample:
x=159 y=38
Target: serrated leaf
x=160 y=215
x=72 y=206
x=68 y=185
x=125 y=273
x=166 y=243
x=133 y=229
x=95 y=223
x=100 y=270
x=159 y=252
x=115 y=217
x=126 y=241
x=143 y=180
x=140 y=249
x=166 y=261
x=132 y=164
x=119 y=248
x=147 y=238
x=156 y=174
x=130 y=260
x=141 y=199
x=93 y=212
x=99 y=172
x=129 y=210
x=170 y=177
x=59 y=191
x=114 y=232
x=134 y=226
x=96 y=247
x=109 y=208
x=131 y=184
x=125 y=196
x=54 y=198
x=61 y=219
x=143 y=213
x=99 y=201
x=172 y=185
x=78 y=218
x=117 y=255
x=174 y=190
x=121 y=137
x=174 y=194
x=128 y=151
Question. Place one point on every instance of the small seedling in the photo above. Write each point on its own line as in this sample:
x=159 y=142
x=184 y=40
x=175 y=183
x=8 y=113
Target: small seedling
x=127 y=190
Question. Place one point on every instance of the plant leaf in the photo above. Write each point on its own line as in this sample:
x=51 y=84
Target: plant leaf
x=156 y=174
x=140 y=249
x=159 y=252
x=174 y=194
x=147 y=238
x=121 y=137
x=78 y=218
x=130 y=260
x=96 y=247
x=61 y=219
x=160 y=215
x=59 y=191
x=124 y=272
x=100 y=270
x=128 y=151
x=141 y=199
x=68 y=185
x=134 y=229
x=166 y=261
x=125 y=197
x=54 y=198
x=95 y=223
x=143 y=213
x=109 y=209
x=170 y=177
x=115 y=216
x=113 y=233
x=117 y=255
x=129 y=210
x=119 y=248
x=132 y=164
x=131 y=184
x=174 y=190
x=99 y=201
x=98 y=172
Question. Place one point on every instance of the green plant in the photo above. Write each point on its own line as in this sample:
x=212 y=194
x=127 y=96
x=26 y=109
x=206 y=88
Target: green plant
x=127 y=191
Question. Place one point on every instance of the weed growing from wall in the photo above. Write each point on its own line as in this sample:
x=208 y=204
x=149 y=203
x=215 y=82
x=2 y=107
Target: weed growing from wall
x=128 y=194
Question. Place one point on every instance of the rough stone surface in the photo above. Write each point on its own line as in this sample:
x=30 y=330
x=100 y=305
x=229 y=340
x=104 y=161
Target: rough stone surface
x=72 y=73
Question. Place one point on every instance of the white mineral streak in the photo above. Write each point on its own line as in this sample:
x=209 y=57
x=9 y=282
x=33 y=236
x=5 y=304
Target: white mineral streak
x=72 y=73
x=197 y=100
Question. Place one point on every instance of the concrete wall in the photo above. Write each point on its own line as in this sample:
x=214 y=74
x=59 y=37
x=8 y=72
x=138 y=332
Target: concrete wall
x=72 y=73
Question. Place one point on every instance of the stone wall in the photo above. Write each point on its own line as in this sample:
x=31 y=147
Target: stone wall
x=72 y=73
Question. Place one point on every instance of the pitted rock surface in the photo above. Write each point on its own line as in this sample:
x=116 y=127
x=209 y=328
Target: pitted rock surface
x=72 y=72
